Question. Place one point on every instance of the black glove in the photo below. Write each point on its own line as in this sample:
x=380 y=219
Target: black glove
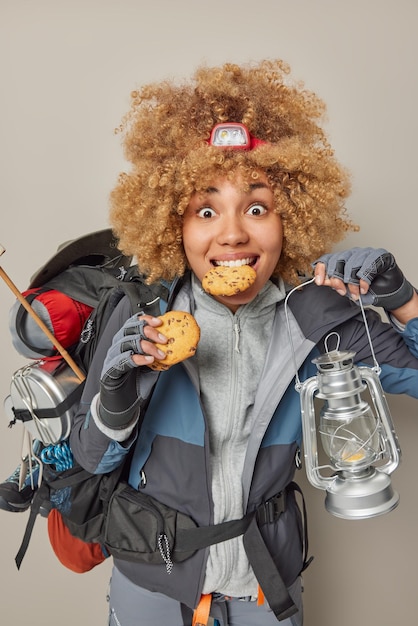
x=388 y=286
x=118 y=404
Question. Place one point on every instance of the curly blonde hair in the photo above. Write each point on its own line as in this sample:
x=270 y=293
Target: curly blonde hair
x=166 y=136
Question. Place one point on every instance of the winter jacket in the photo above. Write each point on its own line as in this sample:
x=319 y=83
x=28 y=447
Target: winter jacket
x=171 y=453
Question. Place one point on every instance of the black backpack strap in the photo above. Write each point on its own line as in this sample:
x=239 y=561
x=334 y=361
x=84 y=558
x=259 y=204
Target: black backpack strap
x=40 y=496
x=192 y=539
x=261 y=561
x=24 y=415
x=267 y=574
x=264 y=567
x=145 y=298
x=307 y=560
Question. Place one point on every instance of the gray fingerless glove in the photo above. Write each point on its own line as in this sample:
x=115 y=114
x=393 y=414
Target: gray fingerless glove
x=388 y=286
x=119 y=401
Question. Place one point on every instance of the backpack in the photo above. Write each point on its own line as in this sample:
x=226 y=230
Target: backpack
x=73 y=295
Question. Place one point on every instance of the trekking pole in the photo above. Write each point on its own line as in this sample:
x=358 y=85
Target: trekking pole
x=63 y=352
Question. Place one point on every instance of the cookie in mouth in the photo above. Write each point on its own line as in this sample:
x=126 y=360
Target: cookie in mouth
x=225 y=280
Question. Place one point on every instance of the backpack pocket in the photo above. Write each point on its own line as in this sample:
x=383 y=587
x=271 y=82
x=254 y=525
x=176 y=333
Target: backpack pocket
x=141 y=529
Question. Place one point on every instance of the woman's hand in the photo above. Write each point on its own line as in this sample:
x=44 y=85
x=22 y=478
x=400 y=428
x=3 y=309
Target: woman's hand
x=372 y=274
x=133 y=346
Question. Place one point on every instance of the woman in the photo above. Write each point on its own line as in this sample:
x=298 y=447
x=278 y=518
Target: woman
x=231 y=168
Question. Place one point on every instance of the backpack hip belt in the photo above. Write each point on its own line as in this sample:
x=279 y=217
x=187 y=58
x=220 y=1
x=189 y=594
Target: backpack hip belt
x=140 y=529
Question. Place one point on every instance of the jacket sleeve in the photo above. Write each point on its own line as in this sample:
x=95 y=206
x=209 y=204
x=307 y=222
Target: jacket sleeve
x=94 y=447
x=410 y=336
x=395 y=350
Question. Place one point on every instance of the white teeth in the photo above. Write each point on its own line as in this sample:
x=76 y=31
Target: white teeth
x=236 y=263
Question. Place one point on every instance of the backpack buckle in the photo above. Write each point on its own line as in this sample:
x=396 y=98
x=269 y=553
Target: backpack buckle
x=270 y=511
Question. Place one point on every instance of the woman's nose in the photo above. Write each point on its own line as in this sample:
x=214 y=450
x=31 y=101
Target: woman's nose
x=232 y=232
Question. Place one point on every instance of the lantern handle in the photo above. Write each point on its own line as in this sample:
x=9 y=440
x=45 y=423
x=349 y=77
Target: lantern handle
x=328 y=337
x=376 y=368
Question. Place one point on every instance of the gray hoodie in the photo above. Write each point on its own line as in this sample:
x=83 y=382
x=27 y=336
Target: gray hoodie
x=231 y=355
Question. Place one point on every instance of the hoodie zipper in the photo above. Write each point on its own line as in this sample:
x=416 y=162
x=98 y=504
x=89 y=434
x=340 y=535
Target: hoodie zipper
x=237 y=330
x=234 y=380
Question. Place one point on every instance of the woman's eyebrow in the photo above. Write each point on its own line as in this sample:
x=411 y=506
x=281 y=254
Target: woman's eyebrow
x=254 y=186
x=211 y=190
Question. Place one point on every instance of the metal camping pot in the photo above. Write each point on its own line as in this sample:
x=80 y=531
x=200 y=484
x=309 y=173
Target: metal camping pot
x=44 y=395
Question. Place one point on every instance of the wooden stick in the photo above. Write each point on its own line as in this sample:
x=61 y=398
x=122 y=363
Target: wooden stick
x=63 y=352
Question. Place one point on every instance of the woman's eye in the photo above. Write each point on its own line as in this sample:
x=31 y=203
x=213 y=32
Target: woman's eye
x=257 y=209
x=206 y=212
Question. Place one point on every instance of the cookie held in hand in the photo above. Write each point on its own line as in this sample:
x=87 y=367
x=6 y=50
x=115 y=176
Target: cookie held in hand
x=228 y=281
x=183 y=334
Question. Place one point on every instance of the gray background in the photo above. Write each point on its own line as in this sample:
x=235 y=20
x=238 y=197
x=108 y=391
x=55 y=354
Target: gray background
x=67 y=68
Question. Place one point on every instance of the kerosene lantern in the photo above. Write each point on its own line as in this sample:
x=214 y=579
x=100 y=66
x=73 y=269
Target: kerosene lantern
x=358 y=439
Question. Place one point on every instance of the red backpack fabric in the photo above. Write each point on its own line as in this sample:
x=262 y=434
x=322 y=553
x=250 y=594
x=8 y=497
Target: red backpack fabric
x=64 y=316
x=73 y=553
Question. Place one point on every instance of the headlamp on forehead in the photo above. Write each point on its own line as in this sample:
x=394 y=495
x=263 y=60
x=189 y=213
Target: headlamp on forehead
x=233 y=135
x=230 y=135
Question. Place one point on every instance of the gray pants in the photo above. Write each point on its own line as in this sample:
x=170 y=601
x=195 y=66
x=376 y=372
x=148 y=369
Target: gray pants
x=130 y=605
